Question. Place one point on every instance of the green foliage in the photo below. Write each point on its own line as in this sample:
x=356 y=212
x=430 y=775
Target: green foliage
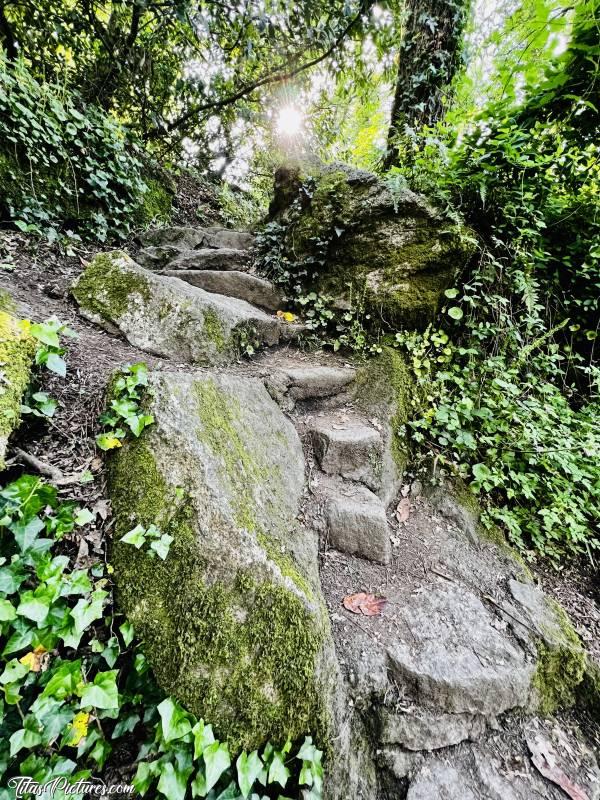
x=511 y=389
x=49 y=354
x=244 y=209
x=64 y=165
x=328 y=324
x=162 y=66
x=500 y=422
x=125 y=412
x=185 y=756
x=74 y=683
x=158 y=542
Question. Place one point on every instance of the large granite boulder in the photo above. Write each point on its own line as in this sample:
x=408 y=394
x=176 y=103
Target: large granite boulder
x=358 y=239
x=166 y=316
x=17 y=349
x=233 y=620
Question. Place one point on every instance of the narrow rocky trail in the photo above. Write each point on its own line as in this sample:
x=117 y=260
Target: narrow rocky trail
x=454 y=690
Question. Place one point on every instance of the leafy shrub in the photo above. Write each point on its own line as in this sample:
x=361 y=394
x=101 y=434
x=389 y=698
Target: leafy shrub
x=64 y=164
x=496 y=411
x=512 y=394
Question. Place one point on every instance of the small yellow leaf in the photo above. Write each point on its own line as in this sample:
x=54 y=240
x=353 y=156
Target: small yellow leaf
x=79 y=728
x=34 y=659
x=112 y=443
x=286 y=316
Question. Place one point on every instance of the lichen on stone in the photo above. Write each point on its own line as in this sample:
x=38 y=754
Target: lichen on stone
x=17 y=350
x=218 y=414
x=213 y=330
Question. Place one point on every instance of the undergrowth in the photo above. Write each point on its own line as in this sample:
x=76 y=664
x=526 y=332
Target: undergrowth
x=66 y=168
x=75 y=682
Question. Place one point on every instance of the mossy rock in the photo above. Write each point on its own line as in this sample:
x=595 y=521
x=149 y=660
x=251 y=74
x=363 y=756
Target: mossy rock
x=17 y=350
x=233 y=622
x=166 y=316
x=561 y=657
x=157 y=203
x=383 y=388
x=391 y=251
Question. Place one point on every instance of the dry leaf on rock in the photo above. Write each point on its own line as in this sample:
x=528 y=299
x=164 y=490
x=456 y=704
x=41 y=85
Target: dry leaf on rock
x=366 y=604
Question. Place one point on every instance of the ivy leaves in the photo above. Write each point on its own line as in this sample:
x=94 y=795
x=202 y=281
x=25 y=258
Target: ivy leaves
x=159 y=542
x=57 y=696
x=66 y=161
x=187 y=747
x=125 y=411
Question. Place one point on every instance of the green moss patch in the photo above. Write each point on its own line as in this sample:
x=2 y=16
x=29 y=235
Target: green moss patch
x=213 y=330
x=106 y=290
x=157 y=204
x=561 y=665
x=17 y=349
x=385 y=383
x=237 y=645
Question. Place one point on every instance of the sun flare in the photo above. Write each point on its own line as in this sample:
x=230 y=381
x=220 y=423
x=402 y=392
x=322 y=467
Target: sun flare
x=289 y=121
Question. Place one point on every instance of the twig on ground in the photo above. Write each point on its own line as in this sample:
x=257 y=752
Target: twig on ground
x=55 y=474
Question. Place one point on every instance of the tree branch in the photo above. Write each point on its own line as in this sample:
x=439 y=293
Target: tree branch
x=275 y=77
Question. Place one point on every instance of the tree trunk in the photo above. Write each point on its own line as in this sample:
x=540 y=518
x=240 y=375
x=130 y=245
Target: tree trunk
x=429 y=58
x=7 y=38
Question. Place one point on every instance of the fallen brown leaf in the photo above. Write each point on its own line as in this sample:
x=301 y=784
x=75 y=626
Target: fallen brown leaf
x=403 y=510
x=366 y=604
x=542 y=758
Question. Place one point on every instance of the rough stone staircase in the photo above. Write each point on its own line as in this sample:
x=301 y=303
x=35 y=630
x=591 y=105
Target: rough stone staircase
x=466 y=634
x=215 y=259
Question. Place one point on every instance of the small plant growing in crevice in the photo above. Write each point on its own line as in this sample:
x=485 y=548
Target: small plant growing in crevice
x=248 y=341
x=125 y=413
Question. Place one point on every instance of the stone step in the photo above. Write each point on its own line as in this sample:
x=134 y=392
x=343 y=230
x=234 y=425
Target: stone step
x=351 y=449
x=356 y=522
x=224 y=258
x=288 y=384
x=188 y=238
x=232 y=283
x=157 y=257
x=308 y=383
x=166 y=316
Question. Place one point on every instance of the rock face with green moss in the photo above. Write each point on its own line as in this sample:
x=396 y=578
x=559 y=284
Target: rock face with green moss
x=362 y=241
x=166 y=316
x=384 y=388
x=17 y=349
x=233 y=620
